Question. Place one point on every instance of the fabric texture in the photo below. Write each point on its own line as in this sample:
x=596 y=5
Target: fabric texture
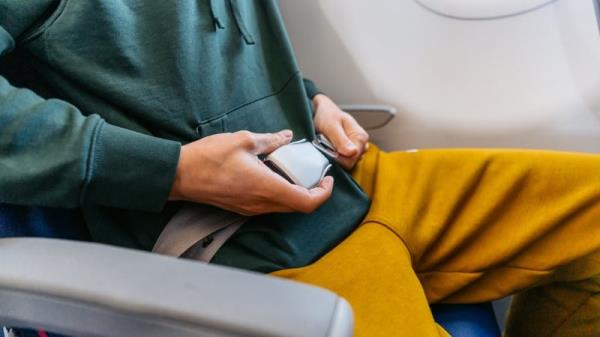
x=467 y=320
x=202 y=227
x=21 y=221
x=470 y=226
x=311 y=88
x=96 y=98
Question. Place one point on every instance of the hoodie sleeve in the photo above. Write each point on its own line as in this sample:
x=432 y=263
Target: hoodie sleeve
x=53 y=155
x=311 y=89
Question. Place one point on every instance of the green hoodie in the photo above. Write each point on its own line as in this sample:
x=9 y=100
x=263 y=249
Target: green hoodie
x=114 y=87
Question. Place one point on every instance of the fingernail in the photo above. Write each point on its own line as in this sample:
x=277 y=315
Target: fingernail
x=351 y=146
x=328 y=180
x=287 y=133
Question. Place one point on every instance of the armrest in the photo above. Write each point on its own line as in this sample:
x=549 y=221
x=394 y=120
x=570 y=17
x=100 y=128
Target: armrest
x=370 y=116
x=88 y=289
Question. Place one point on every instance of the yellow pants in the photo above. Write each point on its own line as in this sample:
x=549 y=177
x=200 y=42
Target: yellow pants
x=462 y=226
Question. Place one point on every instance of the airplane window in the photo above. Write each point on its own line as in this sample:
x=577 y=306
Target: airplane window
x=482 y=9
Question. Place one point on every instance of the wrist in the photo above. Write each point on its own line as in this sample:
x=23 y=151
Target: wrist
x=318 y=100
x=130 y=170
x=176 y=192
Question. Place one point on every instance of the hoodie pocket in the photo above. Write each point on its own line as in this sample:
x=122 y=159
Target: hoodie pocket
x=288 y=108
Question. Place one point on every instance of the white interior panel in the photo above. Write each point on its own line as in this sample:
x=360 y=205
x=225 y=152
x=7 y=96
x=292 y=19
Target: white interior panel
x=527 y=80
x=480 y=9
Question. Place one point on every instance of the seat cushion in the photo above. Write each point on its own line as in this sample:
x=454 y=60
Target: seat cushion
x=460 y=320
x=18 y=221
x=467 y=320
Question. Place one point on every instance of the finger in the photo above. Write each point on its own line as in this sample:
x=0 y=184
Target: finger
x=300 y=199
x=347 y=162
x=355 y=132
x=344 y=145
x=316 y=196
x=319 y=195
x=265 y=143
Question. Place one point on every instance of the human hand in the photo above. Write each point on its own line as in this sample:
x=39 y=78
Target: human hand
x=349 y=138
x=223 y=170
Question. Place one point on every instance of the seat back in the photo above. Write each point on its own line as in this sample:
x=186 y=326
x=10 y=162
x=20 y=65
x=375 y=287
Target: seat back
x=21 y=221
x=24 y=221
x=467 y=320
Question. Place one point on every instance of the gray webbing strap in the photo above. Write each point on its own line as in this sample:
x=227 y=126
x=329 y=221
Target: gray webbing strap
x=197 y=231
x=205 y=249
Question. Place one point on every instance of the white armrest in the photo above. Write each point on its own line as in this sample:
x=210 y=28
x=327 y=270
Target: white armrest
x=86 y=289
x=370 y=116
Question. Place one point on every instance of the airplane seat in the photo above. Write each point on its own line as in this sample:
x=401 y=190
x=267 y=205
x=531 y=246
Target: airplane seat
x=19 y=221
x=467 y=320
x=22 y=221
x=52 y=279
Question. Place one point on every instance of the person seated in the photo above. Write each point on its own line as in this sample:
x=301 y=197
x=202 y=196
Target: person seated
x=133 y=110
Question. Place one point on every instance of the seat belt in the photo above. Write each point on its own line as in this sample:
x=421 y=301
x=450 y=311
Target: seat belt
x=197 y=232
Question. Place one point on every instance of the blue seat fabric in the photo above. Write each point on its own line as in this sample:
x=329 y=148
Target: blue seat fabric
x=20 y=221
x=468 y=320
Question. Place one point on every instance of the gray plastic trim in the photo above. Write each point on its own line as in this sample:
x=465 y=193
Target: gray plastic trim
x=484 y=18
x=597 y=12
x=58 y=315
x=342 y=323
x=365 y=113
x=86 y=289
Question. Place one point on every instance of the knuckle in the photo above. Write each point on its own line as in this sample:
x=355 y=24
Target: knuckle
x=360 y=136
x=246 y=138
x=274 y=139
x=309 y=206
x=304 y=209
x=348 y=118
x=260 y=209
x=251 y=210
x=251 y=213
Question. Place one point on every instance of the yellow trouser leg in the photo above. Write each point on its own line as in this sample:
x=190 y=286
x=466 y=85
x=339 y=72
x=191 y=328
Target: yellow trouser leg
x=568 y=309
x=477 y=225
x=372 y=270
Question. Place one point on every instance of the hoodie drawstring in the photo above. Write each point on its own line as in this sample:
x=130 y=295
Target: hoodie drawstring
x=239 y=22
x=215 y=15
x=237 y=18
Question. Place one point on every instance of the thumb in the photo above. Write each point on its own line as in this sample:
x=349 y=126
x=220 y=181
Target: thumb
x=269 y=142
x=340 y=140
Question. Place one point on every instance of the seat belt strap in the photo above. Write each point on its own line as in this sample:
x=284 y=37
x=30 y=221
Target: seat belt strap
x=197 y=231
